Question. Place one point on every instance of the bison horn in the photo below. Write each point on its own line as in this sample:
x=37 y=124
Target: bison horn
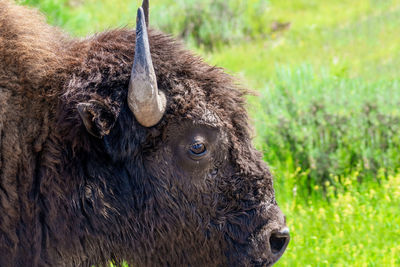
x=145 y=6
x=144 y=99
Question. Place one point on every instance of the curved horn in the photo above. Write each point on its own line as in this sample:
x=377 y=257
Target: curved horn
x=146 y=102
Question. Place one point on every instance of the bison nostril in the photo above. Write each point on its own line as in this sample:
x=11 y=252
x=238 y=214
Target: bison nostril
x=278 y=241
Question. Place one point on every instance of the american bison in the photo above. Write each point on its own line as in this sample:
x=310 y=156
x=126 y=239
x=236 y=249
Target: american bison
x=110 y=153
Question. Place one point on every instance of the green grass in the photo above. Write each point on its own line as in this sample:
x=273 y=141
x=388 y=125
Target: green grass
x=366 y=46
x=360 y=226
x=326 y=115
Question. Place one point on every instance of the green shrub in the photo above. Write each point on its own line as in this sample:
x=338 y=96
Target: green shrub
x=329 y=126
x=210 y=23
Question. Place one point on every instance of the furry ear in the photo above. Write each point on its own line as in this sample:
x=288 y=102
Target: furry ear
x=97 y=117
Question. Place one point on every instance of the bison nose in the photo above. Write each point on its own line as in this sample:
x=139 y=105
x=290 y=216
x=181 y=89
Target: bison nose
x=278 y=242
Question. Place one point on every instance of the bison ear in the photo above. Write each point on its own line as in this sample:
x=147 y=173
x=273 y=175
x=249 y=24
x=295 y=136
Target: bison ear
x=97 y=117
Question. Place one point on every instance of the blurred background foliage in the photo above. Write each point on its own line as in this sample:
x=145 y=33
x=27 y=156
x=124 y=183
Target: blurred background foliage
x=198 y=22
x=326 y=110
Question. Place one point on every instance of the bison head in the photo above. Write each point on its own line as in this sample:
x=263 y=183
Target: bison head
x=160 y=160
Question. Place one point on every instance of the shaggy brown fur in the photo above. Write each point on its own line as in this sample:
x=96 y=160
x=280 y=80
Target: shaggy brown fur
x=68 y=198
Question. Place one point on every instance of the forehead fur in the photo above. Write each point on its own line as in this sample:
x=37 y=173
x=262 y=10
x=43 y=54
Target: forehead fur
x=194 y=89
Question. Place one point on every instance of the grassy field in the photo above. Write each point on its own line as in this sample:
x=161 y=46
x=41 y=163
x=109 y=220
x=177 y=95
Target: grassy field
x=359 y=226
x=326 y=115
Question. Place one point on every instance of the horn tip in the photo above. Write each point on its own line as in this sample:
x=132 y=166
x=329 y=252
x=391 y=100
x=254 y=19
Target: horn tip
x=140 y=17
x=140 y=12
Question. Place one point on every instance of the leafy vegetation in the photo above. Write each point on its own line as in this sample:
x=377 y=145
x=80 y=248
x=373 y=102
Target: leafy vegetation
x=329 y=127
x=326 y=114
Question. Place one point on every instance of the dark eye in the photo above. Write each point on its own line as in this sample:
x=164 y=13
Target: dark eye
x=198 y=149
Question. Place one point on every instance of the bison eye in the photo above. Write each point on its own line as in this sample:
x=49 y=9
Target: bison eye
x=198 y=149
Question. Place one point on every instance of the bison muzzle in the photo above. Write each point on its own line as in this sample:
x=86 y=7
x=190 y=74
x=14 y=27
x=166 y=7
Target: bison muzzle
x=123 y=146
